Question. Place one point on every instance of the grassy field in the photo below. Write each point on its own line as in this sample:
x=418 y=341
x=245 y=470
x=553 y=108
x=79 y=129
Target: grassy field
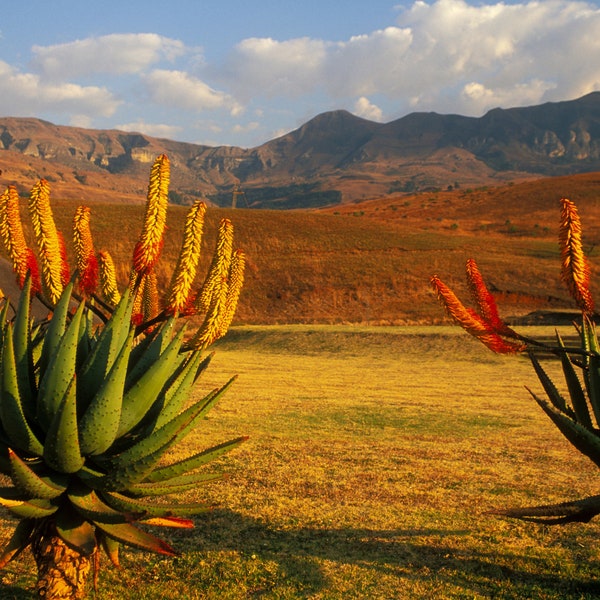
x=374 y=456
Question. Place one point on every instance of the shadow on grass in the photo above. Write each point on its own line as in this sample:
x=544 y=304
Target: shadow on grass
x=10 y=592
x=411 y=555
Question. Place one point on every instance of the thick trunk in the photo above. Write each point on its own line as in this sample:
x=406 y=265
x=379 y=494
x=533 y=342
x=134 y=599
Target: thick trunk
x=62 y=571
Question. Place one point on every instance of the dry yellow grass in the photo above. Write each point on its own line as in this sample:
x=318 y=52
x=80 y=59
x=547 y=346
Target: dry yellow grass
x=373 y=457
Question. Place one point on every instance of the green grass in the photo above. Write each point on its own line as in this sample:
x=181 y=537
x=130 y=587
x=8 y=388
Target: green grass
x=373 y=460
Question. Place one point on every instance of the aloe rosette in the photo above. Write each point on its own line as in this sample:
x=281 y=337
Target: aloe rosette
x=83 y=458
x=575 y=413
x=93 y=399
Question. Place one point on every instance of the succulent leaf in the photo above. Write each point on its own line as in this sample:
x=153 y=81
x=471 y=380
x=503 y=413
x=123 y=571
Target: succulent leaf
x=76 y=531
x=61 y=449
x=35 y=486
x=125 y=503
x=171 y=472
x=36 y=508
x=99 y=424
x=92 y=508
x=60 y=372
x=586 y=441
x=142 y=395
x=14 y=421
x=23 y=349
x=128 y=534
x=177 y=393
x=578 y=399
x=113 y=336
x=172 y=486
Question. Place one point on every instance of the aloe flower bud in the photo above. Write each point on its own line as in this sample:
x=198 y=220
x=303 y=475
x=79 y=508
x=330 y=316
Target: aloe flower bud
x=108 y=278
x=234 y=288
x=11 y=231
x=178 y=298
x=575 y=271
x=471 y=322
x=87 y=263
x=50 y=249
x=149 y=246
x=219 y=268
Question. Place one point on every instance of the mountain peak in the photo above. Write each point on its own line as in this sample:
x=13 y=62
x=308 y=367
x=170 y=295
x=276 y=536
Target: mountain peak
x=334 y=155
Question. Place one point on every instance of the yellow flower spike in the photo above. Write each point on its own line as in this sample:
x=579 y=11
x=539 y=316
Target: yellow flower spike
x=185 y=270
x=149 y=246
x=48 y=242
x=575 y=271
x=219 y=268
x=13 y=237
x=108 y=278
x=234 y=288
x=211 y=328
x=87 y=263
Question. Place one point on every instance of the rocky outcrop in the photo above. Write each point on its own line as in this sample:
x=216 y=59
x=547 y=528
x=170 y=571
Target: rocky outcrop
x=334 y=149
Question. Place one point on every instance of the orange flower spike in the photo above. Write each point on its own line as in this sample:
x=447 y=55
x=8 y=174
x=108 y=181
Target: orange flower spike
x=108 y=278
x=471 y=322
x=236 y=282
x=488 y=310
x=87 y=264
x=178 y=299
x=11 y=232
x=575 y=271
x=149 y=291
x=65 y=271
x=149 y=246
x=220 y=265
x=48 y=241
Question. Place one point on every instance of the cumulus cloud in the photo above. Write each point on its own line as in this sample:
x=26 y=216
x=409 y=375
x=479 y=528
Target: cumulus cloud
x=363 y=107
x=276 y=68
x=178 y=89
x=27 y=94
x=159 y=130
x=434 y=55
x=117 y=54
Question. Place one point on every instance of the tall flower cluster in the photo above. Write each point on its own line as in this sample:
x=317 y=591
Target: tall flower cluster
x=87 y=263
x=484 y=322
x=575 y=271
x=50 y=245
x=13 y=237
x=149 y=246
x=216 y=298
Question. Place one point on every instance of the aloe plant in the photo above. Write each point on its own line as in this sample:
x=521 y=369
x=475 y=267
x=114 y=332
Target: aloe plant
x=577 y=413
x=89 y=413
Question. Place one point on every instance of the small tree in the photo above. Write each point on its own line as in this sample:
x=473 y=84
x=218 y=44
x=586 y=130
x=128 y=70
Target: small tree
x=578 y=416
x=88 y=411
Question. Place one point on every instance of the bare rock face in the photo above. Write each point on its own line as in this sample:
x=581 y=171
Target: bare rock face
x=332 y=158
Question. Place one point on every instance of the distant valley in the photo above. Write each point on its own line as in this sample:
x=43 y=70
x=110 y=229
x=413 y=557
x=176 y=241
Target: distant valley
x=334 y=159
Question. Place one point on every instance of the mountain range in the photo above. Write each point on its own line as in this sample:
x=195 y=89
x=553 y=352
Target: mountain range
x=334 y=158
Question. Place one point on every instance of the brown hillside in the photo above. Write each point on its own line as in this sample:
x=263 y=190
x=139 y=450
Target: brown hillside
x=333 y=159
x=371 y=263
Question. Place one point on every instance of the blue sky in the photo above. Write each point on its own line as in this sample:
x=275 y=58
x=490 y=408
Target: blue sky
x=242 y=73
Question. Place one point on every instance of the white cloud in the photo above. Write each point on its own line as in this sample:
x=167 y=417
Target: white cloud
x=117 y=54
x=26 y=94
x=159 y=130
x=519 y=53
x=273 y=68
x=363 y=107
x=246 y=128
x=178 y=89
